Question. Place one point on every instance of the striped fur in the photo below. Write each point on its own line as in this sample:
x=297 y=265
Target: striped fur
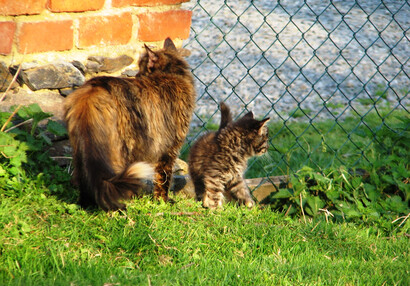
x=217 y=160
x=115 y=122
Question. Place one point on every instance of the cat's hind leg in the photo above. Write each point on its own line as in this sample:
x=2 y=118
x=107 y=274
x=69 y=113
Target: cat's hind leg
x=163 y=177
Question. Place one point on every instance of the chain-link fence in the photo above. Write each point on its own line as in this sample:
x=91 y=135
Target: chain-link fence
x=319 y=63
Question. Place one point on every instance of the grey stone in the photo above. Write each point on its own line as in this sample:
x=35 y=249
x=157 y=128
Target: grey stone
x=97 y=59
x=183 y=186
x=110 y=65
x=60 y=151
x=92 y=67
x=180 y=167
x=49 y=101
x=6 y=78
x=129 y=73
x=53 y=76
x=80 y=66
x=66 y=91
x=262 y=189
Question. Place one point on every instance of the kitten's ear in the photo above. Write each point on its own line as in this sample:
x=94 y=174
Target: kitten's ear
x=152 y=57
x=184 y=52
x=169 y=45
x=226 y=116
x=262 y=125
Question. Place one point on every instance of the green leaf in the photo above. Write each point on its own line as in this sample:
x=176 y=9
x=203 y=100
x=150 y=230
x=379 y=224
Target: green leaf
x=349 y=210
x=2 y=171
x=56 y=128
x=315 y=203
x=372 y=193
x=283 y=194
x=33 y=111
x=396 y=204
x=45 y=138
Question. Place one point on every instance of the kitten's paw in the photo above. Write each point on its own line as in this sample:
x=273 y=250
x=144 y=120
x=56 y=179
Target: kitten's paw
x=212 y=202
x=249 y=203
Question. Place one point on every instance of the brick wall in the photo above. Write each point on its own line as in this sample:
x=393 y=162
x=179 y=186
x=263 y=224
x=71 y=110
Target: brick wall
x=38 y=32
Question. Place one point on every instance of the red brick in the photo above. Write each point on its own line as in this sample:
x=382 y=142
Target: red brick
x=103 y=30
x=157 y=26
x=22 y=7
x=74 y=5
x=37 y=37
x=7 y=30
x=122 y=3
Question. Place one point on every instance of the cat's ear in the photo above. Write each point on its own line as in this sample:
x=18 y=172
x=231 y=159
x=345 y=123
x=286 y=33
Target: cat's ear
x=152 y=57
x=261 y=125
x=248 y=115
x=226 y=116
x=169 y=45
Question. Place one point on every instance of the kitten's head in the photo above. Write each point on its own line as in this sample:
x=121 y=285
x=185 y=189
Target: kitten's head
x=251 y=134
x=254 y=134
x=167 y=60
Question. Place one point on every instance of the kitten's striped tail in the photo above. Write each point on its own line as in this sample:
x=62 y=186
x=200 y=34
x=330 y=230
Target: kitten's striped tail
x=226 y=116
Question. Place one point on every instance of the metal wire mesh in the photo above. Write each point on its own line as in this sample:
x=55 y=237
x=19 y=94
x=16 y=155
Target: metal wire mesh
x=305 y=61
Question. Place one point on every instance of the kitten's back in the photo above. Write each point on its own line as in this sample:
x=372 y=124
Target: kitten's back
x=217 y=160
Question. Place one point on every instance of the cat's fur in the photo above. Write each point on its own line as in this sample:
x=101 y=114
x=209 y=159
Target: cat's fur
x=217 y=160
x=117 y=124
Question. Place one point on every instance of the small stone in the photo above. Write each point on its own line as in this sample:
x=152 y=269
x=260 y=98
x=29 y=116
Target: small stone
x=66 y=91
x=49 y=101
x=6 y=78
x=26 y=65
x=61 y=151
x=53 y=76
x=97 y=64
x=92 y=67
x=129 y=73
x=180 y=167
x=97 y=59
x=112 y=65
x=80 y=66
x=183 y=186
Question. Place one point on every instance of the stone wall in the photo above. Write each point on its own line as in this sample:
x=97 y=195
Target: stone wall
x=61 y=43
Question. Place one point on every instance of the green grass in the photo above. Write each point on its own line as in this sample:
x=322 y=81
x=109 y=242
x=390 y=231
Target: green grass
x=45 y=241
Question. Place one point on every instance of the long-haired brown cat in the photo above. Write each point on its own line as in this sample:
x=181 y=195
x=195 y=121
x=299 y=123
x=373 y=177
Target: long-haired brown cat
x=119 y=128
x=217 y=160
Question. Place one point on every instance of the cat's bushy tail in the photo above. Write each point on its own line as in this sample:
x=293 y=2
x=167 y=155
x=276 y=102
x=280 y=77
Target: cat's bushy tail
x=122 y=186
x=95 y=141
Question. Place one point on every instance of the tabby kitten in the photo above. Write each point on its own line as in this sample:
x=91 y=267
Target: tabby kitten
x=119 y=128
x=217 y=160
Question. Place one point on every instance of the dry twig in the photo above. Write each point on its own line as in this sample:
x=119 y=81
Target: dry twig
x=177 y=214
x=301 y=207
x=9 y=119
x=327 y=213
x=402 y=217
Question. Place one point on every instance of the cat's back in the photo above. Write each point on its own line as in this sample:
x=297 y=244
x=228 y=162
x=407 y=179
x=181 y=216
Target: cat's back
x=98 y=90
